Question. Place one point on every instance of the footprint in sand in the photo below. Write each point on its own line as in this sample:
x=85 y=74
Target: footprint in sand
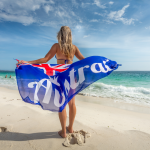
x=10 y=100
x=21 y=119
x=77 y=137
x=3 y=129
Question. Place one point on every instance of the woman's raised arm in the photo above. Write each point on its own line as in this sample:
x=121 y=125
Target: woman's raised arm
x=47 y=57
x=78 y=54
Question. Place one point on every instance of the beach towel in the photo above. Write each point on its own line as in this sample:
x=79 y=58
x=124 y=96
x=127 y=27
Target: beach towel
x=52 y=86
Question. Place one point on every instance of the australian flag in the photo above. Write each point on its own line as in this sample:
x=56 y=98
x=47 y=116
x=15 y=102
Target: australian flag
x=52 y=86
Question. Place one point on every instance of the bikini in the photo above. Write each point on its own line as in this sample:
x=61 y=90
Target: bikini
x=66 y=60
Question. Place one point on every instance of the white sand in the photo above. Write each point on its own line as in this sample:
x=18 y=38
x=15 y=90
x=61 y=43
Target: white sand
x=112 y=125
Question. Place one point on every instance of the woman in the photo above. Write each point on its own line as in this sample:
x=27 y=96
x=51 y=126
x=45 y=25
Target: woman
x=64 y=51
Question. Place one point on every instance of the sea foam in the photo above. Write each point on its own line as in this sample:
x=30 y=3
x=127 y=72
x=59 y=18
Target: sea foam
x=138 y=95
x=8 y=82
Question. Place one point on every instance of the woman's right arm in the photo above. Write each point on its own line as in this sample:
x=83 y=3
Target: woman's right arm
x=47 y=57
x=78 y=53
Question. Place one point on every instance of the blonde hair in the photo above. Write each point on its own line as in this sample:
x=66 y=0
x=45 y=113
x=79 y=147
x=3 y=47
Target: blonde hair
x=65 y=41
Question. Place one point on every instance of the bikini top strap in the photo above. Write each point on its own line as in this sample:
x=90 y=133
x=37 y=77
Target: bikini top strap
x=66 y=60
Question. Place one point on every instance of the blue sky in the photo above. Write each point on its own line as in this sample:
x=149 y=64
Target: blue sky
x=118 y=30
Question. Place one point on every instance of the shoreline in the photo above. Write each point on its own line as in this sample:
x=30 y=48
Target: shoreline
x=106 y=101
x=111 y=127
x=141 y=108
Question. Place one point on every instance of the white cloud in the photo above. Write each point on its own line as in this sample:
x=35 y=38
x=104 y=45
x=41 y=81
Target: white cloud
x=51 y=2
x=48 y=8
x=78 y=27
x=78 y=31
x=64 y=13
x=35 y=7
x=22 y=7
x=148 y=28
x=83 y=5
x=61 y=12
x=27 y=12
x=111 y=2
x=85 y=36
x=25 y=20
x=98 y=3
x=21 y=11
x=75 y=3
x=96 y=13
x=4 y=39
x=48 y=23
x=109 y=22
x=73 y=14
x=127 y=21
x=118 y=16
x=62 y=16
x=94 y=20
x=80 y=20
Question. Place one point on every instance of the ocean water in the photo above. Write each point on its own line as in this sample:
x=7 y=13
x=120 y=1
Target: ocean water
x=8 y=82
x=126 y=86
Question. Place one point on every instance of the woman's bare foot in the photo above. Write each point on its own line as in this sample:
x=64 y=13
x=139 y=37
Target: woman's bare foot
x=70 y=130
x=63 y=135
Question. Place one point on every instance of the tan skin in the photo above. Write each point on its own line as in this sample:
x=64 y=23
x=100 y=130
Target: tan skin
x=55 y=49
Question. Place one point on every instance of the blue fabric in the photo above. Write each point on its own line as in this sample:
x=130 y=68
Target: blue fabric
x=54 y=92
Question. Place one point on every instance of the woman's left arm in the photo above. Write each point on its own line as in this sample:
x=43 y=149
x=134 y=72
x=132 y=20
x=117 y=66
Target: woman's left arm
x=47 y=57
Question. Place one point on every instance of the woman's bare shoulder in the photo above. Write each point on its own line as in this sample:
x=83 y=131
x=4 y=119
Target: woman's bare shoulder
x=75 y=47
x=56 y=44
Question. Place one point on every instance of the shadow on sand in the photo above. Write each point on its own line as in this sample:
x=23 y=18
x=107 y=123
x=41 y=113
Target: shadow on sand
x=13 y=136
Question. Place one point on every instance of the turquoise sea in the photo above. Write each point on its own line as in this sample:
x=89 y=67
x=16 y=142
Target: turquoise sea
x=126 y=86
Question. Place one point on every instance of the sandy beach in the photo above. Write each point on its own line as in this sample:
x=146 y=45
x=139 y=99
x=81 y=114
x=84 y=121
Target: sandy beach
x=113 y=126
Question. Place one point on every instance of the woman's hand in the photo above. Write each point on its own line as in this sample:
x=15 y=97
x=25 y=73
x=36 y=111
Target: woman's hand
x=21 y=62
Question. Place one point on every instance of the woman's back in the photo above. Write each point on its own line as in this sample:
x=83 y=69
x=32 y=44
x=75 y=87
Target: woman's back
x=62 y=59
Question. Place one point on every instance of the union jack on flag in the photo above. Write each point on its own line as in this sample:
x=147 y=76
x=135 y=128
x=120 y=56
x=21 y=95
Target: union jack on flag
x=49 y=69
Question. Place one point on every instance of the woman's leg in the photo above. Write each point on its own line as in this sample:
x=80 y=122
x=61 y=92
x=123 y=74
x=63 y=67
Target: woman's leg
x=72 y=114
x=63 y=118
